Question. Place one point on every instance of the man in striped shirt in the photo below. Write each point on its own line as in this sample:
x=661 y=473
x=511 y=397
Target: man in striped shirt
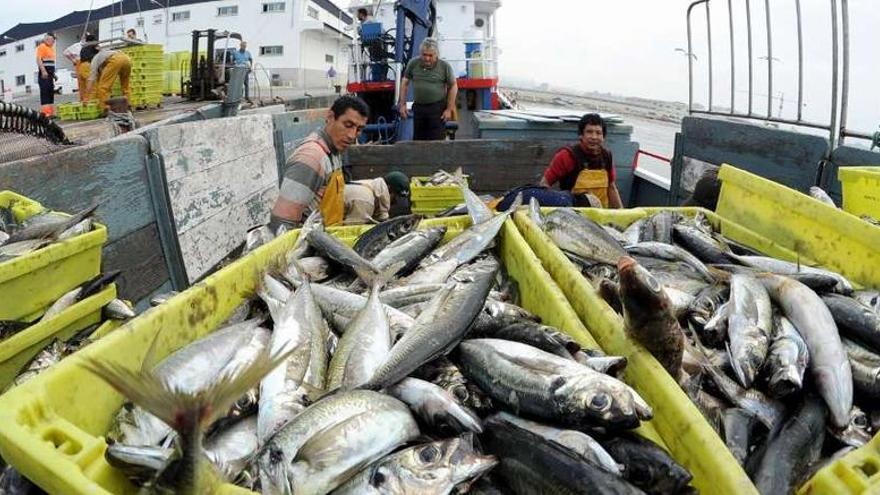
x=313 y=177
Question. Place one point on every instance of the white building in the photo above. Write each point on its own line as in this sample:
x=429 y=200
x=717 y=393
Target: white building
x=293 y=42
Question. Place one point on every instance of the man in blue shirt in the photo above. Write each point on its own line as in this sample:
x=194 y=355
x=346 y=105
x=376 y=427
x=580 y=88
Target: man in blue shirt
x=242 y=57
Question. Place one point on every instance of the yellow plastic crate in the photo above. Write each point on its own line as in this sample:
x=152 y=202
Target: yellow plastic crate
x=32 y=282
x=838 y=240
x=428 y=200
x=855 y=473
x=20 y=348
x=861 y=190
x=690 y=438
x=53 y=436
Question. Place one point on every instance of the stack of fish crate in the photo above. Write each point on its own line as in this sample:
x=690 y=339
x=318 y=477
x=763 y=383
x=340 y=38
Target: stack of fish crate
x=147 y=76
x=430 y=199
x=79 y=111
x=33 y=280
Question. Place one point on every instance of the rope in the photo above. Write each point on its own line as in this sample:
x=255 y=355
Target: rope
x=121 y=122
x=88 y=17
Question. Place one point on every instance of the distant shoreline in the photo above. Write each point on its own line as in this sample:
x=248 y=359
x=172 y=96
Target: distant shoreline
x=663 y=111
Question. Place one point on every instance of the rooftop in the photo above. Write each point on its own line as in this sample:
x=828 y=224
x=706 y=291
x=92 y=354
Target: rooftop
x=79 y=17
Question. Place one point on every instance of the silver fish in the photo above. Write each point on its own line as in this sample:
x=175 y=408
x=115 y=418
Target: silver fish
x=829 y=365
x=441 y=326
x=435 y=406
x=297 y=323
x=819 y=194
x=787 y=359
x=434 y=468
x=670 y=252
x=117 y=309
x=581 y=444
x=80 y=228
x=332 y=440
x=550 y=387
x=750 y=324
x=366 y=341
x=581 y=236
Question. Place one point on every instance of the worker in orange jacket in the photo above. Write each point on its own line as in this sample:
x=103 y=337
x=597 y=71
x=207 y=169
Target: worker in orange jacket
x=47 y=77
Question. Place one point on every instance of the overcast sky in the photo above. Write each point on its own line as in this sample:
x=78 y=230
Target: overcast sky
x=628 y=47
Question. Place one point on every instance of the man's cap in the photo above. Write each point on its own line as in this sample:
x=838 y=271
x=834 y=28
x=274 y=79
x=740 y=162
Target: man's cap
x=398 y=183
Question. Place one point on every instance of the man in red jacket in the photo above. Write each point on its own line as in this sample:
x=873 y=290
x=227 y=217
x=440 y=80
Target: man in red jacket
x=586 y=167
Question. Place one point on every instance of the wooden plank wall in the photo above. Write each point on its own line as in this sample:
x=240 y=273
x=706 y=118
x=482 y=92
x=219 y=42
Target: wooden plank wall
x=222 y=179
x=113 y=174
x=495 y=166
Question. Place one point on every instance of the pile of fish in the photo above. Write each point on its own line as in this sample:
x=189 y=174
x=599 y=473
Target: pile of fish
x=771 y=352
x=402 y=365
x=56 y=350
x=440 y=178
x=40 y=230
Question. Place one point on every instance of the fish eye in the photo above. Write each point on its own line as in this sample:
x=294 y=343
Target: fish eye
x=460 y=393
x=429 y=454
x=860 y=421
x=378 y=478
x=600 y=402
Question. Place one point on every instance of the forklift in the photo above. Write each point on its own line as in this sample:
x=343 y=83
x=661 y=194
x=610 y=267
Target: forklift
x=209 y=74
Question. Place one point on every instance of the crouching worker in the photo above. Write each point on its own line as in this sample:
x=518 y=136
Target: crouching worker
x=375 y=200
x=586 y=167
x=106 y=66
x=313 y=177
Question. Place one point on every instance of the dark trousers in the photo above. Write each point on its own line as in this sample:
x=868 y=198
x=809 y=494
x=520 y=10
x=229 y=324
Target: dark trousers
x=47 y=87
x=428 y=124
x=247 y=85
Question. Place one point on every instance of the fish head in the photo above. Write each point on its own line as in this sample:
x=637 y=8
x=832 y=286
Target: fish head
x=434 y=467
x=857 y=432
x=639 y=289
x=594 y=398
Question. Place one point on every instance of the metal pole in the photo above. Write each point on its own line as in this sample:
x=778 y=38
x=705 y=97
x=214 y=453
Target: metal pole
x=844 y=95
x=800 y=99
x=769 y=61
x=709 y=35
x=690 y=62
x=749 y=29
x=834 y=63
x=732 y=60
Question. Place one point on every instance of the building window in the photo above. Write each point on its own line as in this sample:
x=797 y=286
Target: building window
x=19 y=47
x=227 y=11
x=37 y=42
x=2 y=53
x=117 y=29
x=157 y=19
x=328 y=59
x=312 y=12
x=270 y=7
x=180 y=16
x=140 y=22
x=19 y=80
x=272 y=50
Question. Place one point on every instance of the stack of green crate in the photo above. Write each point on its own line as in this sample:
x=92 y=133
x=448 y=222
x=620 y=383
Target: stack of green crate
x=147 y=75
x=68 y=111
x=89 y=110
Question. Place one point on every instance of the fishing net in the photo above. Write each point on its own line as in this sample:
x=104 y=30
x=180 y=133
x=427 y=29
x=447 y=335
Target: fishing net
x=25 y=133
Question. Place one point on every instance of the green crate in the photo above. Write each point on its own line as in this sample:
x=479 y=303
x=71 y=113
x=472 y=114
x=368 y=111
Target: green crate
x=20 y=348
x=32 y=282
x=429 y=200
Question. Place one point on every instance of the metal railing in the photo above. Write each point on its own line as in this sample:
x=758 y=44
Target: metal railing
x=836 y=123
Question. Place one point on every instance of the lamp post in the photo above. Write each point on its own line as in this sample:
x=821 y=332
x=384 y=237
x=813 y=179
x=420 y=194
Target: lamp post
x=686 y=53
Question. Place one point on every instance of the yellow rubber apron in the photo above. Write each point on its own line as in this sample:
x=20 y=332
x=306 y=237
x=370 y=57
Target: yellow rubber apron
x=594 y=182
x=333 y=202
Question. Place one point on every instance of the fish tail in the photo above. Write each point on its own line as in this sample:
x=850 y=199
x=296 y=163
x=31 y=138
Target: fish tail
x=375 y=279
x=185 y=412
